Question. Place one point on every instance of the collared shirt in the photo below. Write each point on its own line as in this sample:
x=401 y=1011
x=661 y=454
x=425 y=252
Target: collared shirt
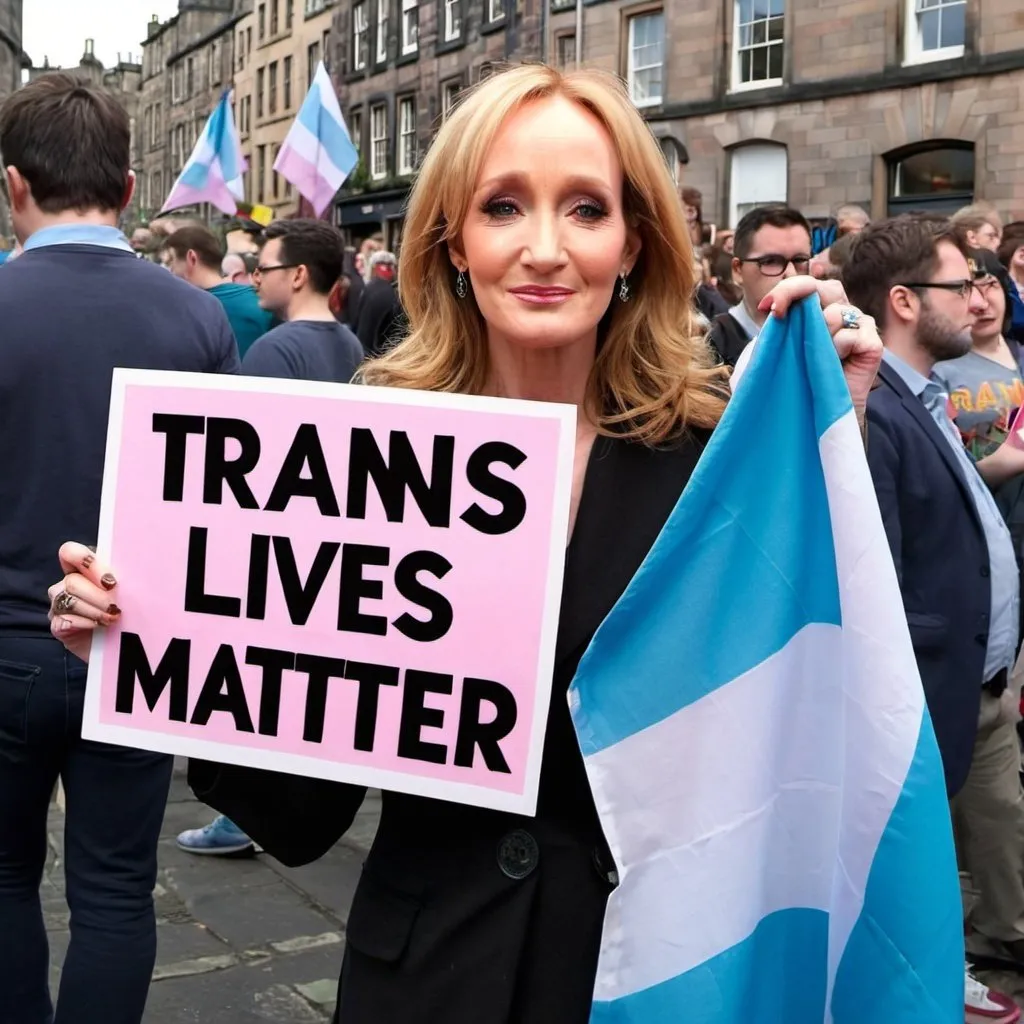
x=742 y=316
x=1005 y=577
x=79 y=234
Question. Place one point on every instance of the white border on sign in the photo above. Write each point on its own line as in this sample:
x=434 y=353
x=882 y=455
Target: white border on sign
x=295 y=764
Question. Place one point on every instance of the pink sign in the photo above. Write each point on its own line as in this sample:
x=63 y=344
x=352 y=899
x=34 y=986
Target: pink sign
x=352 y=583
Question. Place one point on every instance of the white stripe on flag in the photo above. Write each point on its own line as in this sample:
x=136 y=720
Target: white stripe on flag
x=306 y=145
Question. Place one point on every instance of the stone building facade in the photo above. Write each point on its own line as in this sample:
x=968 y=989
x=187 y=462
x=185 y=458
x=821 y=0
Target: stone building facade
x=182 y=60
x=12 y=60
x=893 y=104
x=398 y=67
x=278 y=46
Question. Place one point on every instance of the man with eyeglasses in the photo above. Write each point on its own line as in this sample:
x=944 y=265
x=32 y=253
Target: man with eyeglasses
x=952 y=551
x=771 y=242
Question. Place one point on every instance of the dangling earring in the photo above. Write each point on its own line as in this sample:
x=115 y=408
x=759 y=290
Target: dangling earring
x=460 y=285
x=624 y=289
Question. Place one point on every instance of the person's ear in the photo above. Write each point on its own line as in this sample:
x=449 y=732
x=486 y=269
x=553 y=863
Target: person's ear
x=129 y=190
x=904 y=304
x=18 y=190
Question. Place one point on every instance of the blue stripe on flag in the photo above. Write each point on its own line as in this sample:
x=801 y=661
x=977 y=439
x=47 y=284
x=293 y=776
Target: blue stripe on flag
x=314 y=116
x=909 y=931
x=765 y=537
x=774 y=976
x=222 y=145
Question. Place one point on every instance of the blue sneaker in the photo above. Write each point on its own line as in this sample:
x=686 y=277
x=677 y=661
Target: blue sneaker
x=221 y=838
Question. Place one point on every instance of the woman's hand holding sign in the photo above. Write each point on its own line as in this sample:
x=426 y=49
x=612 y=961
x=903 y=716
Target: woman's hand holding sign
x=83 y=600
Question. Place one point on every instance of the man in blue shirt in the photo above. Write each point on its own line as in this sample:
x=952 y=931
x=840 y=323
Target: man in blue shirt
x=953 y=555
x=75 y=304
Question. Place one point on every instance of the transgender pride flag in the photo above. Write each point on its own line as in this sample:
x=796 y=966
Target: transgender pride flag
x=317 y=154
x=213 y=173
x=757 y=740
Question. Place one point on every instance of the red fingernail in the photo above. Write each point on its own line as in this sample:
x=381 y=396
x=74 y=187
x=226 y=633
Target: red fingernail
x=113 y=610
x=108 y=581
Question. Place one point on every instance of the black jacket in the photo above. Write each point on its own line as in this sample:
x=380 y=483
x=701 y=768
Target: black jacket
x=468 y=916
x=941 y=557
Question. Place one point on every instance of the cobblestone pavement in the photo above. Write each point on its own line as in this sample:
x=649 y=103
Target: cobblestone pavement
x=240 y=941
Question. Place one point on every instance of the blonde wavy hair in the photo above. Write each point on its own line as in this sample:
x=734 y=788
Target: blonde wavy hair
x=654 y=374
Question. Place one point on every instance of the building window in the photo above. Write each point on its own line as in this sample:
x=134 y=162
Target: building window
x=937 y=179
x=289 y=14
x=758 y=174
x=759 y=45
x=383 y=13
x=378 y=141
x=356 y=132
x=410 y=26
x=275 y=178
x=565 y=50
x=158 y=188
x=286 y=84
x=274 y=22
x=936 y=30
x=452 y=19
x=190 y=78
x=325 y=44
x=314 y=7
x=259 y=93
x=248 y=41
x=158 y=124
x=449 y=96
x=646 y=58
x=215 y=63
x=241 y=51
x=406 y=135
x=272 y=88
x=262 y=22
x=261 y=173
x=495 y=10
x=360 y=32
x=312 y=62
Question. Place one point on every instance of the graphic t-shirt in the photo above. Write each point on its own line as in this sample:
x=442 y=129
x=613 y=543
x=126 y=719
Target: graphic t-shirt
x=984 y=395
x=984 y=398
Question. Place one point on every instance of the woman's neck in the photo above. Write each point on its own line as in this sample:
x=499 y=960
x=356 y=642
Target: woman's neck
x=556 y=374
x=989 y=346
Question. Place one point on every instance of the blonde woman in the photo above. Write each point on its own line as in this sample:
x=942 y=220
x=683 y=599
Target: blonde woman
x=554 y=264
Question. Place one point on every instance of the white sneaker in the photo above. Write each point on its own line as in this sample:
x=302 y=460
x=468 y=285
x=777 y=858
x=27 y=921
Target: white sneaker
x=983 y=1005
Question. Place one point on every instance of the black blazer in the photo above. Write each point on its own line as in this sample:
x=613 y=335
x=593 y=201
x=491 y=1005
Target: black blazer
x=941 y=556
x=469 y=916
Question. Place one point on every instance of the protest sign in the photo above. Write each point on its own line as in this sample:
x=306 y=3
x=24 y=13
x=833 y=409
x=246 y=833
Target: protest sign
x=345 y=582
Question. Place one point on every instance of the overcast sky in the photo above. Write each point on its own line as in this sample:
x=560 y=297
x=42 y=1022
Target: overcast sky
x=58 y=29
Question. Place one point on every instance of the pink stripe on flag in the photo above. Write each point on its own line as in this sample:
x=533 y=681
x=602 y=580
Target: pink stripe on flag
x=305 y=177
x=215 y=192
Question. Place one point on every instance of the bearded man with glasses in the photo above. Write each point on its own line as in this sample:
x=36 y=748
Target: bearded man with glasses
x=953 y=554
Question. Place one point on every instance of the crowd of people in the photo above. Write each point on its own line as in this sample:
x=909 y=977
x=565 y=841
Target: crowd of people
x=652 y=316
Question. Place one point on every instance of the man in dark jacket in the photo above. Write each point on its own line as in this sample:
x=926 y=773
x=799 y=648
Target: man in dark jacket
x=951 y=548
x=66 y=149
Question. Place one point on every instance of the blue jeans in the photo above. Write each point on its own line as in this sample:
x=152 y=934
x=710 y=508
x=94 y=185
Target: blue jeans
x=115 y=800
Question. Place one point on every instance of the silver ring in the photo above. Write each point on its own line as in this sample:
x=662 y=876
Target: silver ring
x=64 y=602
x=851 y=318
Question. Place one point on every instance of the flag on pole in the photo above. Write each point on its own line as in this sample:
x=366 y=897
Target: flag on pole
x=213 y=173
x=768 y=781
x=318 y=154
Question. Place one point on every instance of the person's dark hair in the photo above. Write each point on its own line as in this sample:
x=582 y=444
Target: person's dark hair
x=840 y=251
x=70 y=141
x=202 y=241
x=250 y=260
x=720 y=264
x=776 y=215
x=985 y=263
x=693 y=197
x=1013 y=239
x=316 y=245
x=890 y=252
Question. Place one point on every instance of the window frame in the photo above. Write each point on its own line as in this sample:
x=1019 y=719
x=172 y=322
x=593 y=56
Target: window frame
x=760 y=83
x=452 y=20
x=360 y=35
x=381 y=140
x=261 y=79
x=764 y=146
x=289 y=14
x=450 y=91
x=261 y=22
x=563 y=37
x=355 y=118
x=405 y=161
x=913 y=50
x=410 y=27
x=492 y=6
x=380 y=52
x=632 y=70
x=272 y=88
x=286 y=81
x=275 y=18
x=312 y=61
